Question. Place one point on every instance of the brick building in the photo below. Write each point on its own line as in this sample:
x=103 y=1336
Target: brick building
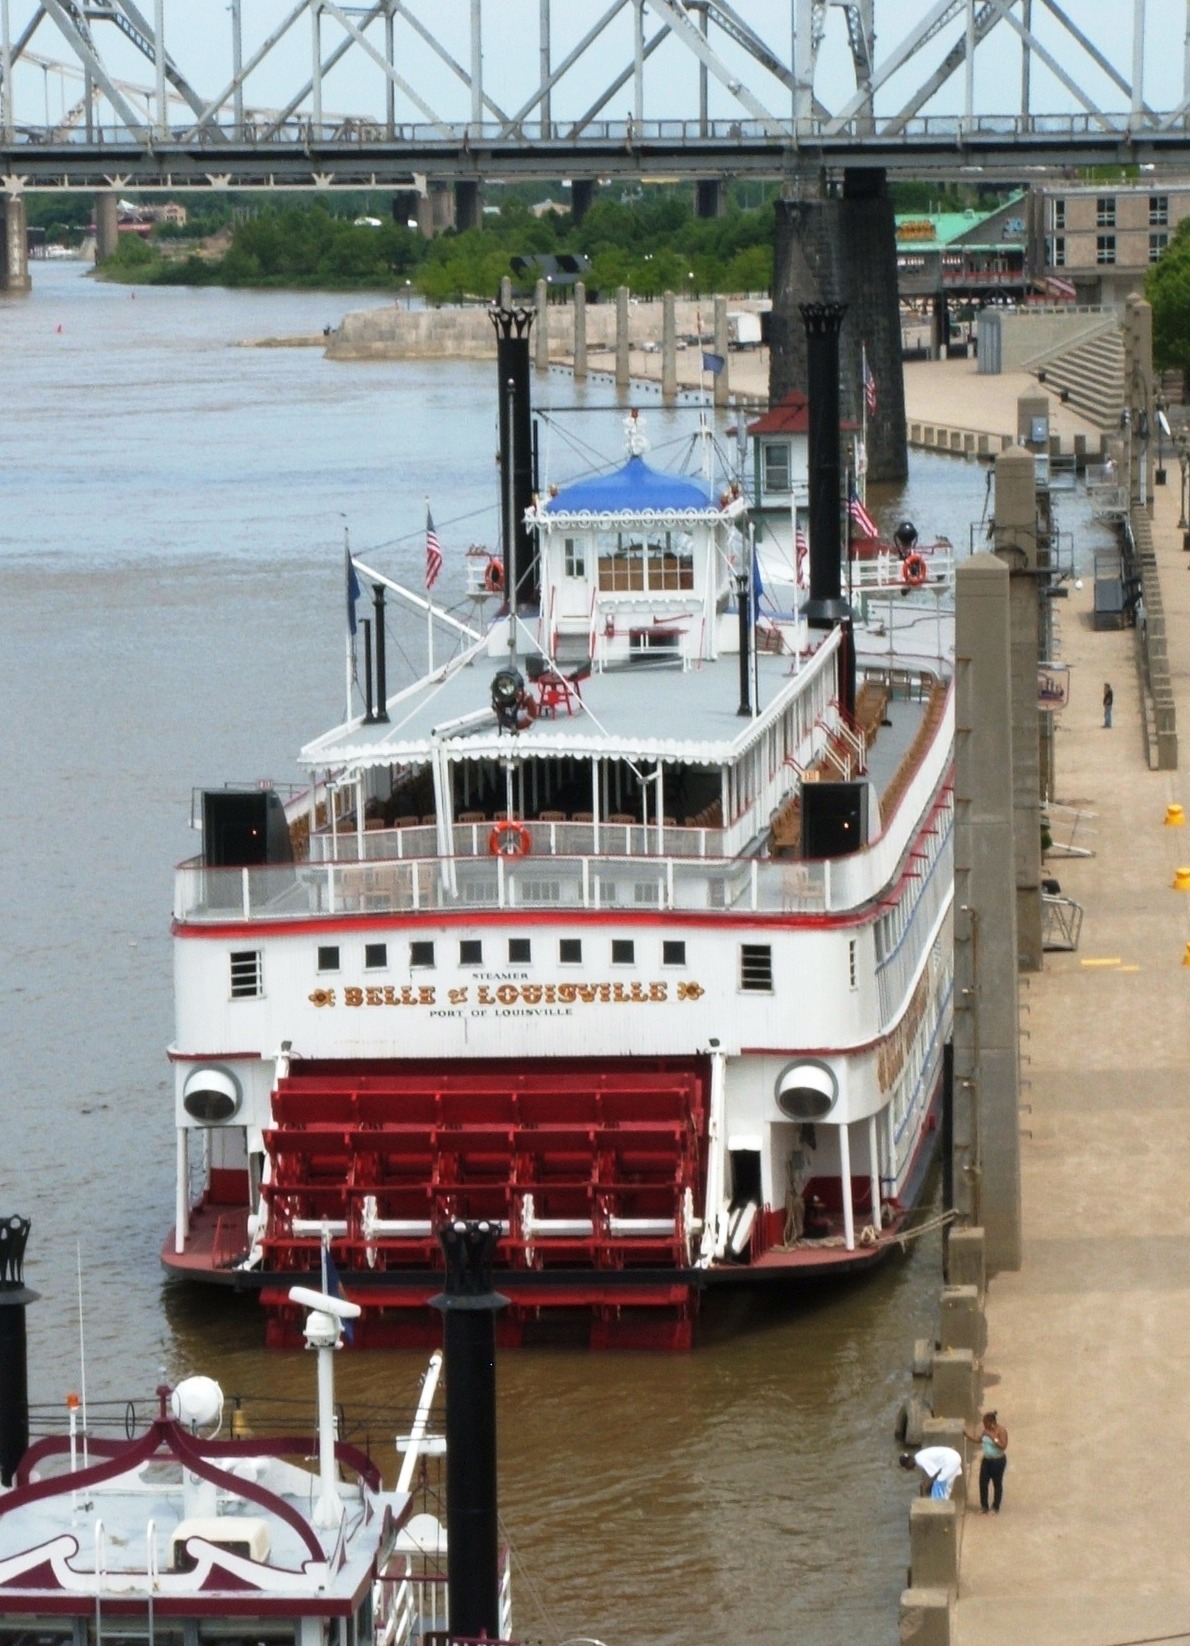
x=1102 y=237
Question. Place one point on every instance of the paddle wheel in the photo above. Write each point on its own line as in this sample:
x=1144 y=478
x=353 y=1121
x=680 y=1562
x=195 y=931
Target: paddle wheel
x=594 y=1170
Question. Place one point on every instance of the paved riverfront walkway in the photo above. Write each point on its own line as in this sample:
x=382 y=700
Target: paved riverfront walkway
x=1088 y=1345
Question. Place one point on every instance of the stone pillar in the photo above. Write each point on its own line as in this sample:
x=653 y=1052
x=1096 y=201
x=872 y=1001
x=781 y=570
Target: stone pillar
x=964 y=1259
x=722 y=382
x=1015 y=538
x=582 y=197
x=107 y=225
x=14 y=274
x=622 y=375
x=669 y=349
x=844 y=251
x=580 y=329
x=541 y=343
x=468 y=205
x=939 y=327
x=986 y=1022
x=1138 y=396
x=926 y=1617
x=961 y=1319
x=933 y=1544
x=710 y=197
x=506 y=293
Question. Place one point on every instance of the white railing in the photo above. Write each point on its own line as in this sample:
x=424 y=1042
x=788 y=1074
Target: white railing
x=546 y=839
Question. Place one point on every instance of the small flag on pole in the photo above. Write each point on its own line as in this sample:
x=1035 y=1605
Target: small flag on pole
x=757 y=587
x=869 y=387
x=864 y=524
x=433 y=551
x=352 y=590
x=712 y=363
x=802 y=548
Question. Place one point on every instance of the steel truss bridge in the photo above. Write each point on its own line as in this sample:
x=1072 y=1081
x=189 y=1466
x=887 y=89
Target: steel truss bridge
x=457 y=91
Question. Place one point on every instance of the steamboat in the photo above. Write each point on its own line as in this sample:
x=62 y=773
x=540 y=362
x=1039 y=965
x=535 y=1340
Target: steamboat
x=626 y=929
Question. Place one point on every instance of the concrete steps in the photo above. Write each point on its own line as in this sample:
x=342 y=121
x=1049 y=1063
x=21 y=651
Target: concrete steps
x=1089 y=377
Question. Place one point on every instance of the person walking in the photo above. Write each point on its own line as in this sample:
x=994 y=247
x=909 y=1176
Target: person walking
x=993 y=1440
x=1109 y=698
x=941 y=1465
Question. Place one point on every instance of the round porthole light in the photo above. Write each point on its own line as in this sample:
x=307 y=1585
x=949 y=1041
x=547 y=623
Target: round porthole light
x=211 y=1095
x=806 y=1090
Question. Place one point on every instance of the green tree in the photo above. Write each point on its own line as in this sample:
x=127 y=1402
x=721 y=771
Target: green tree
x=1167 y=288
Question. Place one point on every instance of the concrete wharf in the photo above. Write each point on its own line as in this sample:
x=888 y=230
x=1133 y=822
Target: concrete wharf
x=1086 y=1345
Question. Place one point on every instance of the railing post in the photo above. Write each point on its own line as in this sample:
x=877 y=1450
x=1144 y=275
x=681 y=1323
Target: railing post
x=246 y=893
x=330 y=888
x=500 y=881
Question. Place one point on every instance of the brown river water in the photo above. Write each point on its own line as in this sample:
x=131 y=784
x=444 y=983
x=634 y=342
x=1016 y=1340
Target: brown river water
x=171 y=527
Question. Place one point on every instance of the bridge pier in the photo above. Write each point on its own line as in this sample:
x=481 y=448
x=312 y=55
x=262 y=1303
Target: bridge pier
x=107 y=225
x=669 y=349
x=468 y=205
x=622 y=368
x=435 y=210
x=582 y=197
x=844 y=250
x=710 y=197
x=14 y=274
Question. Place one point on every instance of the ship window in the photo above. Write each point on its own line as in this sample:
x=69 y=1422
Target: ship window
x=328 y=957
x=851 y=971
x=673 y=952
x=520 y=951
x=470 y=952
x=375 y=956
x=570 y=951
x=756 y=967
x=623 y=951
x=247 y=979
x=421 y=953
x=576 y=565
x=776 y=467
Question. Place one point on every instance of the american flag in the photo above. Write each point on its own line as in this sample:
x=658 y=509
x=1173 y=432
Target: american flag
x=803 y=559
x=862 y=520
x=433 y=551
x=869 y=389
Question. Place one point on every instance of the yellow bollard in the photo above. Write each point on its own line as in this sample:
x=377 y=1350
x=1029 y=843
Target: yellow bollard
x=1186 y=956
x=1175 y=815
x=1181 y=880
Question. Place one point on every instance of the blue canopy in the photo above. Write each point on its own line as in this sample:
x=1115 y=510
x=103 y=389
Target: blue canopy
x=635 y=488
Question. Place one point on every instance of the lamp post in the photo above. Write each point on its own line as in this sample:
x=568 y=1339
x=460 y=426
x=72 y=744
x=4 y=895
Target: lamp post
x=1184 y=465
x=1161 y=406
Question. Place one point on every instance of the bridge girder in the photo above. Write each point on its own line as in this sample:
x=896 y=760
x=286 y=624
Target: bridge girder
x=772 y=117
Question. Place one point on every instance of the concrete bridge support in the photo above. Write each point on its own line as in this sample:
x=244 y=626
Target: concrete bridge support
x=107 y=225
x=582 y=197
x=14 y=274
x=843 y=250
x=710 y=197
x=468 y=205
x=722 y=378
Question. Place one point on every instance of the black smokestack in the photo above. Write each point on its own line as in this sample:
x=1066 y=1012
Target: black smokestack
x=381 y=668
x=516 y=452
x=14 y=1367
x=823 y=322
x=469 y=1308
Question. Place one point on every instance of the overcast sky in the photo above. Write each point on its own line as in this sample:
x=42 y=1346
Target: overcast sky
x=198 y=37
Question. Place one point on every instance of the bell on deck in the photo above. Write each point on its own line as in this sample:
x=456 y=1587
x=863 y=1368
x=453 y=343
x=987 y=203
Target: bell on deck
x=507 y=687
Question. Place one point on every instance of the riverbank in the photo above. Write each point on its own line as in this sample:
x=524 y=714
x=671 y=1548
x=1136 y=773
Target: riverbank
x=1086 y=1343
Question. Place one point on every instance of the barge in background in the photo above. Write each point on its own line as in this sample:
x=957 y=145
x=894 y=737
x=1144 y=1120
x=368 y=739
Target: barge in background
x=628 y=929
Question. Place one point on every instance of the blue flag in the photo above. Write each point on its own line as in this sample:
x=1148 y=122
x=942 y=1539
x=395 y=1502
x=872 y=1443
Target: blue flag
x=353 y=590
x=757 y=587
x=713 y=363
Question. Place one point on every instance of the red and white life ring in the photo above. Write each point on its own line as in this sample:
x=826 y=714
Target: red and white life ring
x=493 y=577
x=509 y=839
x=914 y=570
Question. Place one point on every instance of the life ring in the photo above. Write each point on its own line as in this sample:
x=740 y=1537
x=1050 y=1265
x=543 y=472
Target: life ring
x=914 y=570
x=493 y=577
x=509 y=839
